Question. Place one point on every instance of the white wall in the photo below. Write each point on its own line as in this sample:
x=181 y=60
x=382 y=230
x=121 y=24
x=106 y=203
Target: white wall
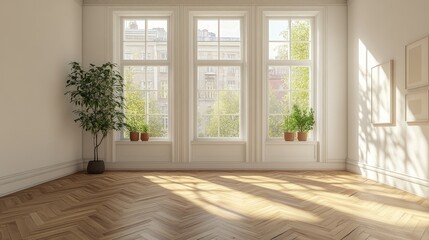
x=379 y=31
x=39 y=140
x=182 y=153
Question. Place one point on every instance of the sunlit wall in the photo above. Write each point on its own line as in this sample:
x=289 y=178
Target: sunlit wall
x=378 y=32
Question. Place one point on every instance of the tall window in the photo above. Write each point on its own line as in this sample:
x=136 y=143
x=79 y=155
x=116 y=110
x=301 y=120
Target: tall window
x=145 y=61
x=218 y=66
x=289 y=67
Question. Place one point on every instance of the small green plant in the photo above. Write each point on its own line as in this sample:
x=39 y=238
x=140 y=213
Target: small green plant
x=132 y=126
x=289 y=124
x=143 y=127
x=135 y=124
x=304 y=118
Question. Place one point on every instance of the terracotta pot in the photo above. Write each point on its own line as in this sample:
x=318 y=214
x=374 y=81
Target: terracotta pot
x=144 y=136
x=302 y=136
x=289 y=136
x=134 y=136
x=95 y=167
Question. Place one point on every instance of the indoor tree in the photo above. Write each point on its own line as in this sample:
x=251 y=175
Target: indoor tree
x=98 y=95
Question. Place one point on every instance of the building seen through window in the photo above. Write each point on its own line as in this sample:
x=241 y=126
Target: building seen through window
x=146 y=73
x=218 y=102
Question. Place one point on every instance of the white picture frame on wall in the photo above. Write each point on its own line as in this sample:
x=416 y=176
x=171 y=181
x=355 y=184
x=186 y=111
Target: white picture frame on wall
x=417 y=63
x=382 y=95
x=417 y=106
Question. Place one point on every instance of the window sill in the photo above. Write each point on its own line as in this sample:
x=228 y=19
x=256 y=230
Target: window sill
x=218 y=142
x=296 y=142
x=150 y=142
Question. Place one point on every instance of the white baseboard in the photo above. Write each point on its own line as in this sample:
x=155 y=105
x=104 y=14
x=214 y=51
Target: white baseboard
x=414 y=185
x=19 y=181
x=223 y=166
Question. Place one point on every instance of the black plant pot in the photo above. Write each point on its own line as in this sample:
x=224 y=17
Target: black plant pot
x=95 y=167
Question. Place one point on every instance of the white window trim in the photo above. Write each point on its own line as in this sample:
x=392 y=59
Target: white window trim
x=285 y=14
x=116 y=56
x=243 y=63
x=320 y=98
x=181 y=127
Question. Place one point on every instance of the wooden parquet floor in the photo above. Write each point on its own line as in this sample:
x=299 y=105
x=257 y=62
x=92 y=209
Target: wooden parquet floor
x=214 y=205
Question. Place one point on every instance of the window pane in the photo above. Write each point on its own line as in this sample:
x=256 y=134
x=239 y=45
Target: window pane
x=208 y=51
x=207 y=106
x=134 y=77
x=156 y=126
x=152 y=103
x=300 y=30
x=135 y=102
x=300 y=50
x=137 y=117
x=134 y=30
x=207 y=78
x=156 y=50
x=134 y=40
x=279 y=51
x=218 y=87
x=278 y=30
x=134 y=51
x=207 y=30
x=278 y=77
x=207 y=95
x=156 y=75
x=230 y=30
x=157 y=40
x=278 y=102
x=288 y=39
x=146 y=87
x=275 y=126
x=208 y=126
x=300 y=78
x=217 y=97
x=157 y=30
x=229 y=126
x=164 y=89
x=229 y=102
x=230 y=50
x=229 y=78
x=301 y=99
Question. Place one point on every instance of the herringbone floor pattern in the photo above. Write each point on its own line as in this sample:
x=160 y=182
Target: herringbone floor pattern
x=214 y=205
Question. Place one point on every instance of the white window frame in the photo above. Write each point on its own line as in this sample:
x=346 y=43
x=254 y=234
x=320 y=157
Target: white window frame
x=118 y=57
x=194 y=17
x=266 y=63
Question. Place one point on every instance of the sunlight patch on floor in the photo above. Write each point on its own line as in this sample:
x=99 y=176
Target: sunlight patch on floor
x=212 y=197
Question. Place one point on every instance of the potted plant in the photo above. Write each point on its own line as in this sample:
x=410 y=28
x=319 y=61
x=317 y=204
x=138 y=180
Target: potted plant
x=134 y=134
x=144 y=131
x=304 y=120
x=98 y=95
x=289 y=127
x=133 y=129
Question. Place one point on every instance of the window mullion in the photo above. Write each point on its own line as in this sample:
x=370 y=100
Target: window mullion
x=290 y=62
x=219 y=63
x=145 y=39
x=218 y=39
x=145 y=62
x=218 y=103
x=290 y=38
